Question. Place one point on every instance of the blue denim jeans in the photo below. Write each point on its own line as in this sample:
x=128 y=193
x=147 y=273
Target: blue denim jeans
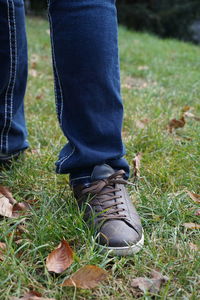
x=85 y=58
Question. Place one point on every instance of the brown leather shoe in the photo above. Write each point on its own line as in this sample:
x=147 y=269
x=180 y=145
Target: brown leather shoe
x=109 y=206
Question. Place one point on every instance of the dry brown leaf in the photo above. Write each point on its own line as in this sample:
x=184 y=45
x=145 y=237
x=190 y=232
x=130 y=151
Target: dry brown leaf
x=142 y=123
x=193 y=247
x=12 y=211
x=194 y=197
x=197 y=212
x=152 y=285
x=32 y=295
x=33 y=61
x=87 y=277
x=2 y=249
x=191 y=225
x=136 y=165
x=174 y=124
x=5 y=207
x=5 y=192
x=39 y=96
x=35 y=151
x=20 y=208
x=191 y=115
x=9 y=206
x=33 y=73
x=186 y=108
x=60 y=258
x=143 y=68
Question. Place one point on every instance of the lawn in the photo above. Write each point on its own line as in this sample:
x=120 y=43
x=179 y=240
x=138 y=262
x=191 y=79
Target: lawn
x=159 y=78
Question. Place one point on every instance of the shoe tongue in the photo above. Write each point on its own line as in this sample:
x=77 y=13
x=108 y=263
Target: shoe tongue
x=101 y=172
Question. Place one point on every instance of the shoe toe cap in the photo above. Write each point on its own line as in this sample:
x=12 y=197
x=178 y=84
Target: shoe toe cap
x=117 y=233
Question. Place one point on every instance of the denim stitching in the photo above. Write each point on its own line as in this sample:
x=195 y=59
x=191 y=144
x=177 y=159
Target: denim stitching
x=14 y=70
x=10 y=78
x=65 y=158
x=83 y=177
x=57 y=85
x=57 y=82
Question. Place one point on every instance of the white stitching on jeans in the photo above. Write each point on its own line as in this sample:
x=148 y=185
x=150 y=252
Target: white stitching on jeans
x=65 y=158
x=57 y=74
x=9 y=83
x=15 y=73
x=83 y=177
x=60 y=117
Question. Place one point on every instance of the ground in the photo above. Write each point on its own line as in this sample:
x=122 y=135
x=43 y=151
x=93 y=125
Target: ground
x=159 y=78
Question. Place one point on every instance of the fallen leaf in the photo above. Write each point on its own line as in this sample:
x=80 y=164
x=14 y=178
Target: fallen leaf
x=143 y=68
x=5 y=192
x=32 y=295
x=2 y=249
x=33 y=73
x=33 y=61
x=174 y=124
x=34 y=57
x=186 y=108
x=11 y=210
x=20 y=241
x=191 y=115
x=194 y=197
x=136 y=83
x=152 y=285
x=35 y=151
x=19 y=209
x=39 y=96
x=5 y=207
x=136 y=165
x=60 y=258
x=87 y=277
x=193 y=247
x=142 y=123
x=191 y=225
x=144 y=284
x=197 y=212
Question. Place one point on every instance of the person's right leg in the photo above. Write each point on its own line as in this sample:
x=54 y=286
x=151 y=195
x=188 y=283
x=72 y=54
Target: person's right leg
x=90 y=111
x=13 y=77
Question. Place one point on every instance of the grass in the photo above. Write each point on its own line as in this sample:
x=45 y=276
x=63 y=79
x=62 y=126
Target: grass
x=159 y=77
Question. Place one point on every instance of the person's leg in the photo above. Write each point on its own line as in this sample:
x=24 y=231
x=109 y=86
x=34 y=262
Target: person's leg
x=13 y=77
x=90 y=112
x=86 y=67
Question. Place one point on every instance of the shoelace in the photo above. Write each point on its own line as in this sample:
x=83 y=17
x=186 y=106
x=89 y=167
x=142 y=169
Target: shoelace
x=106 y=187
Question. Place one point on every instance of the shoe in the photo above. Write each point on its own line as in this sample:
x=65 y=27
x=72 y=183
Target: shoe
x=109 y=206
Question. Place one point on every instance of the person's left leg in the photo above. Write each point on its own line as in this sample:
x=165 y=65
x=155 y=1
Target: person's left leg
x=13 y=77
x=90 y=112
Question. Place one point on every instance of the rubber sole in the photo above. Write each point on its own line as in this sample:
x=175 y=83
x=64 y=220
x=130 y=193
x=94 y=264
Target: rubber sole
x=124 y=251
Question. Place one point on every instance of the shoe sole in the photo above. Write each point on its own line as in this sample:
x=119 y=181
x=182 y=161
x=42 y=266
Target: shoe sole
x=125 y=251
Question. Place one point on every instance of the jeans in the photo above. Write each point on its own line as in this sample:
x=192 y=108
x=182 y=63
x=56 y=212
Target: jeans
x=85 y=58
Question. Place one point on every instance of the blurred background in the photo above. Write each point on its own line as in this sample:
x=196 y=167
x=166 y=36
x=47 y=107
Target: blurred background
x=167 y=18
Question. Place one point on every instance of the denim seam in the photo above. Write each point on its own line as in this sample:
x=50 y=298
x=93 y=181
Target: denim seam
x=57 y=85
x=15 y=72
x=83 y=177
x=57 y=82
x=5 y=158
x=10 y=78
x=65 y=158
